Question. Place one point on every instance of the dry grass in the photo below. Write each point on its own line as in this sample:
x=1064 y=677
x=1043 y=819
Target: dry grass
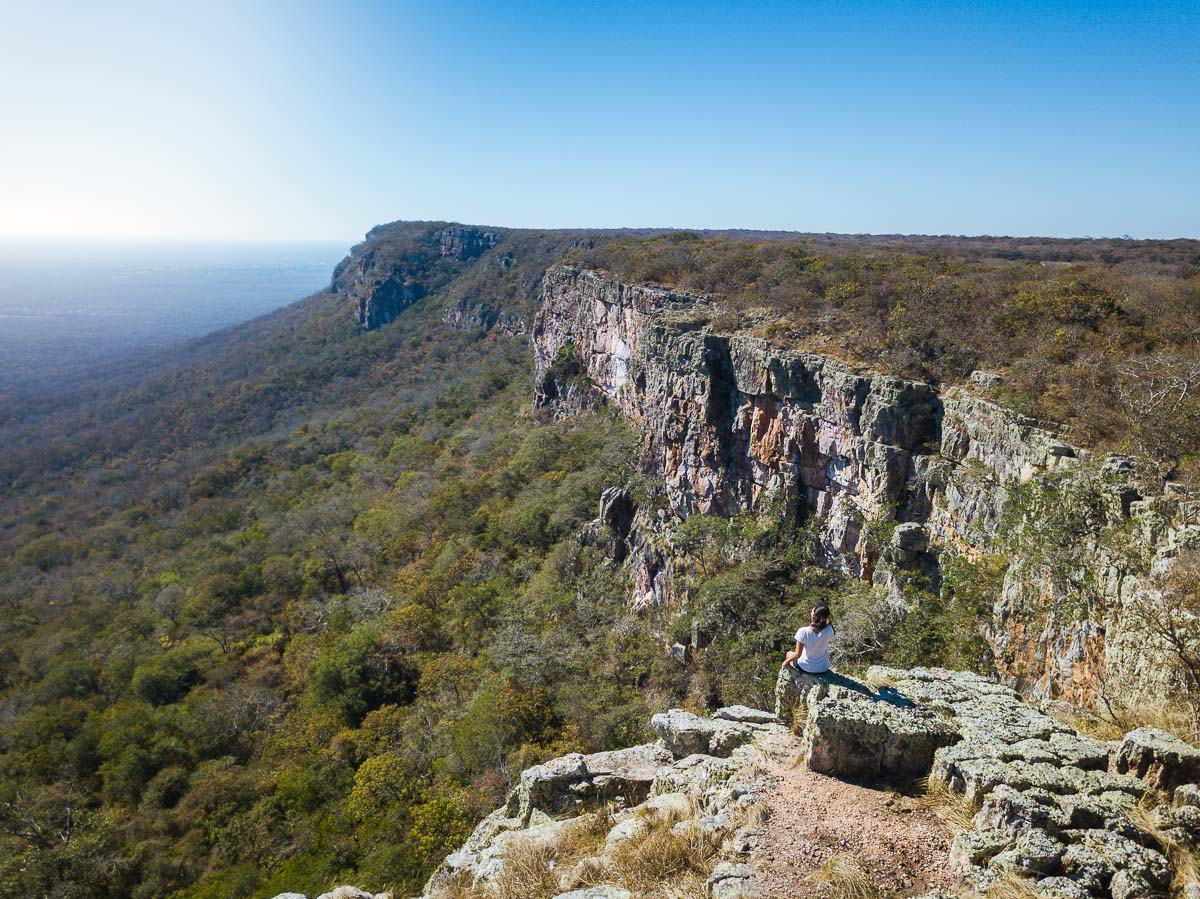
x=1184 y=860
x=662 y=856
x=528 y=872
x=533 y=868
x=1114 y=721
x=954 y=810
x=1013 y=886
x=842 y=877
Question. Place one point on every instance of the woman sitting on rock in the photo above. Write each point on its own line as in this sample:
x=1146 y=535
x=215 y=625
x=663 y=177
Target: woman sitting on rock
x=811 y=654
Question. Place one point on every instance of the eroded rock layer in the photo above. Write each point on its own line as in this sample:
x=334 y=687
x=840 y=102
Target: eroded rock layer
x=732 y=423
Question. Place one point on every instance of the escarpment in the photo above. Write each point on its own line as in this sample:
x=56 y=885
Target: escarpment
x=734 y=423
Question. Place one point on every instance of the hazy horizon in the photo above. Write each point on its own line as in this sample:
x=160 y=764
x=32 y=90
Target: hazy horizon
x=71 y=304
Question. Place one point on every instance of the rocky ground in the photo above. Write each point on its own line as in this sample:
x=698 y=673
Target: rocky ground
x=741 y=806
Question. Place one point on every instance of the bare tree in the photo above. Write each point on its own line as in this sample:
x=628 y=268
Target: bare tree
x=1170 y=611
x=1161 y=394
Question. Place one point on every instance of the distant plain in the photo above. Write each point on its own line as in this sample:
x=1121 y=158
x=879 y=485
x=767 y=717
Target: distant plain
x=69 y=307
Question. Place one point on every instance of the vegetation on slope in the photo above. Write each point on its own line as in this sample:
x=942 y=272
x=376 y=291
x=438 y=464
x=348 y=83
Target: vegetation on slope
x=1102 y=337
x=298 y=607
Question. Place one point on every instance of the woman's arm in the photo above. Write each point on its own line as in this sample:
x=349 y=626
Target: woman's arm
x=793 y=655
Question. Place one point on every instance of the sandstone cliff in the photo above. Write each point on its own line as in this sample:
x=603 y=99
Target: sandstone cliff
x=732 y=422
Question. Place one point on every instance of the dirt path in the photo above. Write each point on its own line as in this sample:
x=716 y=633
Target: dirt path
x=903 y=846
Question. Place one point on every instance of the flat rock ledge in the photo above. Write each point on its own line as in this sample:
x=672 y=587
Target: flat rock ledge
x=1049 y=809
x=855 y=731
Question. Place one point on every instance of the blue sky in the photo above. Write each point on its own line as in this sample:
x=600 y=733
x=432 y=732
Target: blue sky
x=295 y=120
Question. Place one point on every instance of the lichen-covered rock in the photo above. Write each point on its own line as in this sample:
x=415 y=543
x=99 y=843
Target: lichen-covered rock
x=977 y=847
x=1164 y=761
x=1102 y=854
x=1186 y=794
x=686 y=734
x=581 y=781
x=1180 y=824
x=732 y=880
x=1034 y=852
x=600 y=892
x=1061 y=888
x=858 y=737
x=745 y=715
x=1016 y=812
x=348 y=892
x=694 y=773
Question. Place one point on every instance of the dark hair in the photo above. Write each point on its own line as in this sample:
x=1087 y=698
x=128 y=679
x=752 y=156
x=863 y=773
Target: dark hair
x=820 y=617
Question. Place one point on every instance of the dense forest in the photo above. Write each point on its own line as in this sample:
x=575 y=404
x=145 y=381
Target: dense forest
x=296 y=606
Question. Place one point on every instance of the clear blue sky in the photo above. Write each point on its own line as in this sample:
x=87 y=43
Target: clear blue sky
x=318 y=120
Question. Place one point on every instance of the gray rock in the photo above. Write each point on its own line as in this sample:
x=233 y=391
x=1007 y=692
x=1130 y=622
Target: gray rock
x=1187 y=794
x=744 y=715
x=1180 y=824
x=1082 y=752
x=977 y=847
x=1018 y=811
x=1062 y=888
x=1164 y=761
x=686 y=734
x=696 y=773
x=1035 y=852
x=1100 y=854
x=1128 y=885
x=601 y=892
x=976 y=778
x=985 y=379
x=733 y=880
x=348 y=893
x=857 y=737
x=547 y=787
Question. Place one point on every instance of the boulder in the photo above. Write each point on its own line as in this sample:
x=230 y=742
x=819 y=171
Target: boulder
x=1062 y=888
x=731 y=880
x=578 y=781
x=1187 y=794
x=1035 y=852
x=352 y=893
x=686 y=734
x=858 y=737
x=745 y=715
x=1096 y=856
x=977 y=847
x=547 y=787
x=1162 y=760
x=1016 y=812
x=696 y=773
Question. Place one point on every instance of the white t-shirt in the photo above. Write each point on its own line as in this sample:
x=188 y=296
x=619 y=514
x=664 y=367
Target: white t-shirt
x=815 y=657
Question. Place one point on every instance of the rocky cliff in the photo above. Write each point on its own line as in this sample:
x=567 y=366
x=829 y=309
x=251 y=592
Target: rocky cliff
x=397 y=265
x=733 y=422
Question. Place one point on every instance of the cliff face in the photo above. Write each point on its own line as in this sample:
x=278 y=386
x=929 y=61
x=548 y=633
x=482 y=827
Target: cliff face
x=731 y=423
x=398 y=265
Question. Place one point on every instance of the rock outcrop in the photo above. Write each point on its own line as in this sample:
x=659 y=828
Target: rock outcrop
x=389 y=272
x=583 y=814
x=732 y=423
x=1046 y=807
